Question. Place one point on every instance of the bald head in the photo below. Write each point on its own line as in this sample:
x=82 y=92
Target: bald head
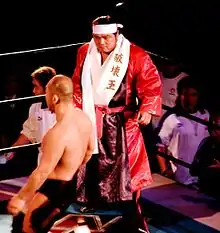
x=62 y=86
x=59 y=89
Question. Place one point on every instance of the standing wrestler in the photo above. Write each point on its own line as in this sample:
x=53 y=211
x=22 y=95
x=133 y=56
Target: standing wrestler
x=65 y=147
x=110 y=75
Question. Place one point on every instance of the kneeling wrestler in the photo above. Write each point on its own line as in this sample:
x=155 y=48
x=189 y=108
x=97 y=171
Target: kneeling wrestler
x=65 y=147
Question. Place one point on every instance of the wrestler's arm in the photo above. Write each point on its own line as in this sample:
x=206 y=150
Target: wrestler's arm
x=148 y=85
x=52 y=151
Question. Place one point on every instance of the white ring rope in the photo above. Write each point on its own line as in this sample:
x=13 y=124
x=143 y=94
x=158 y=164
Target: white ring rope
x=10 y=149
x=61 y=47
x=40 y=49
x=194 y=118
x=22 y=98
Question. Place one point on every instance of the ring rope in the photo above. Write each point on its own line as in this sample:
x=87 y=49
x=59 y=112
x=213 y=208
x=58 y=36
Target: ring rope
x=187 y=115
x=10 y=149
x=173 y=159
x=61 y=47
x=165 y=107
x=35 y=145
x=22 y=98
x=40 y=49
x=13 y=148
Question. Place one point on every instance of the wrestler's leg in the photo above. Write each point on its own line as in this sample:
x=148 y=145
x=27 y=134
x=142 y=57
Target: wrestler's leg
x=142 y=220
x=38 y=201
x=133 y=220
x=18 y=220
x=43 y=212
x=130 y=220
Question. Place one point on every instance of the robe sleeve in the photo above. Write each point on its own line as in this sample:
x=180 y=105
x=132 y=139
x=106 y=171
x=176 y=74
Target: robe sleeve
x=76 y=78
x=148 y=85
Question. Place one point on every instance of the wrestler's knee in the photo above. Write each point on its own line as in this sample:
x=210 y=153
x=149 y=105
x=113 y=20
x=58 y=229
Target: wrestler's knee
x=43 y=218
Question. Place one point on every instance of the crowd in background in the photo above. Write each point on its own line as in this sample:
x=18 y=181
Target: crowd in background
x=172 y=133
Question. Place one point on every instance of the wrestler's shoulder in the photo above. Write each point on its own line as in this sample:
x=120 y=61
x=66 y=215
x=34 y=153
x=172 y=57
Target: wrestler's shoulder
x=50 y=135
x=53 y=134
x=84 y=120
x=83 y=115
x=136 y=50
x=83 y=48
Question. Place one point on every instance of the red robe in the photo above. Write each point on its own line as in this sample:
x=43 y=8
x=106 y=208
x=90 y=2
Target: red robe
x=142 y=81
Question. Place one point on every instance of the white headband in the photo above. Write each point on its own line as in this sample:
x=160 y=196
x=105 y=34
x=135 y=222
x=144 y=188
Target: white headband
x=106 y=28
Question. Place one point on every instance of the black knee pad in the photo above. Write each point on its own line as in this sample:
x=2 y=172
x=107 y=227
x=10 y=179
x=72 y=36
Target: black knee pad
x=43 y=218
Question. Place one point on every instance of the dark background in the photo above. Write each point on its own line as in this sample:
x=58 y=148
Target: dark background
x=182 y=31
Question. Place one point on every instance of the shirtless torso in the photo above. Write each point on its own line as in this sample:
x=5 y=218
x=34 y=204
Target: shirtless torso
x=65 y=147
x=73 y=134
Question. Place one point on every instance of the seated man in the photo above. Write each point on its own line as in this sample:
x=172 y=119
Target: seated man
x=39 y=120
x=65 y=147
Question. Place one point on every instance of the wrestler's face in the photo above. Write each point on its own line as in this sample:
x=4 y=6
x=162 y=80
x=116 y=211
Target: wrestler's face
x=105 y=43
x=37 y=87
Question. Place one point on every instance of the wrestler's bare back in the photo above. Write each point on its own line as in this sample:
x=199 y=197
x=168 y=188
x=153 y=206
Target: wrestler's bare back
x=73 y=133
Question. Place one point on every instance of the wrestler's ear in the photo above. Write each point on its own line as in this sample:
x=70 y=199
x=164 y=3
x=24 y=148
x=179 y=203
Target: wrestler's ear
x=55 y=99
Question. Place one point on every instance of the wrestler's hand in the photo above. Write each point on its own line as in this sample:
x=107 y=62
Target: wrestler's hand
x=15 y=205
x=144 y=118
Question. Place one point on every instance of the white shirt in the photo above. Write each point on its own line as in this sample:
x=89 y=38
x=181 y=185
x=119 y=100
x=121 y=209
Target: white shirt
x=38 y=123
x=169 y=93
x=182 y=137
x=169 y=89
